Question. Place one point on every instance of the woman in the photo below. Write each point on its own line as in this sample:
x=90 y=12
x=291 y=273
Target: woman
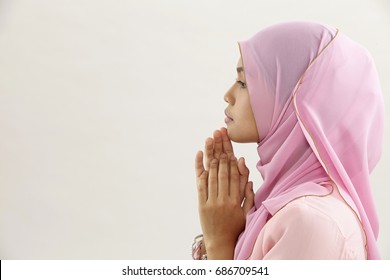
x=310 y=98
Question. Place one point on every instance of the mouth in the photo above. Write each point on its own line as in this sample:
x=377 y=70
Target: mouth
x=228 y=117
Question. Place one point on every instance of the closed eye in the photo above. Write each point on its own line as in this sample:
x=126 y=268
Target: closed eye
x=243 y=85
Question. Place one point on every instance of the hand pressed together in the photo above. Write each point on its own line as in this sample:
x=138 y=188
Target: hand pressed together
x=224 y=195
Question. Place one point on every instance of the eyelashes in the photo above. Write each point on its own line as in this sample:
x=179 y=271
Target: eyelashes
x=242 y=84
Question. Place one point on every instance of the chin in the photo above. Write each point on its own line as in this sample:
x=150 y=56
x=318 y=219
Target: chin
x=235 y=135
x=239 y=136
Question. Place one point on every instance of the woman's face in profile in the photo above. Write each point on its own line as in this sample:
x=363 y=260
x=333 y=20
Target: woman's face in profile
x=240 y=122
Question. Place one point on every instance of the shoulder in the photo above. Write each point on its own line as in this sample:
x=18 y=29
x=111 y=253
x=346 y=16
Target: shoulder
x=313 y=227
x=327 y=210
x=306 y=214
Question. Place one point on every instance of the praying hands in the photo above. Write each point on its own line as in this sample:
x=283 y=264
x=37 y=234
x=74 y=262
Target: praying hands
x=224 y=195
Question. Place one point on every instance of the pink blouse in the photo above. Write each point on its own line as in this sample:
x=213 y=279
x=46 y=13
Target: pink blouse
x=312 y=227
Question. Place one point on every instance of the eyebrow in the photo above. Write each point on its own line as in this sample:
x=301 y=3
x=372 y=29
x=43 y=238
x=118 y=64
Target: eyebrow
x=239 y=69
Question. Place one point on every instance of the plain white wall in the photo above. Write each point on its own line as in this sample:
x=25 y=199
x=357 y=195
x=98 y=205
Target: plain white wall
x=103 y=105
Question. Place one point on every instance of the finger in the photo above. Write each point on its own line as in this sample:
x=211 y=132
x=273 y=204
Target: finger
x=213 y=180
x=234 y=179
x=209 y=151
x=202 y=187
x=217 y=144
x=223 y=177
x=226 y=143
x=249 y=198
x=199 y=168
x=244 y=175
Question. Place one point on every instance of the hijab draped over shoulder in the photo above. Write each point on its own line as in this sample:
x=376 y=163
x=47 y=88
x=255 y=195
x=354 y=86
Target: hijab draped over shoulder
x=319 y=111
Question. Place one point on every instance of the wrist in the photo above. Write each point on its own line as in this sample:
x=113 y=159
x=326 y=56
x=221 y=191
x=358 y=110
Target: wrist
x=220 y=250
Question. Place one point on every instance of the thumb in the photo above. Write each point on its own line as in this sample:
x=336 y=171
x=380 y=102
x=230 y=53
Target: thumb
x=249 y=198
x=244 y=174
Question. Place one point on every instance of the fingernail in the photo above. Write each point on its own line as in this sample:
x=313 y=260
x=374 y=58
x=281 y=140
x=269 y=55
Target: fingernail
x=233 y=158
x=214 y=161
x=222 y=156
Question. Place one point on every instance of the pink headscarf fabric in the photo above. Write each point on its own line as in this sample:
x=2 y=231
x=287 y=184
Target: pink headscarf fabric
x=319 y=111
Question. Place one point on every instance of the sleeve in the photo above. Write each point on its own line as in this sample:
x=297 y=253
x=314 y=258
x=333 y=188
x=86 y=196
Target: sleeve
x=301 y=232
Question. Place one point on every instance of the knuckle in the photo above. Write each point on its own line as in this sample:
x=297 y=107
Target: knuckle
x=223 y=169
x=225 y=204
x=222 y=204
x=201 y=179
x=201 y=186
x=235 y=176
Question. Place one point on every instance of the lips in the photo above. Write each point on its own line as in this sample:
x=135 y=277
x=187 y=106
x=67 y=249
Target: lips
x=228 y=114
x=228 y=118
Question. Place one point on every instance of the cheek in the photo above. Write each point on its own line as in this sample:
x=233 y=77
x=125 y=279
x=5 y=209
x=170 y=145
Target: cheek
x=248 y=118
x=244 y=129
x=246 y=110
x=242 y=101
x=244 y=115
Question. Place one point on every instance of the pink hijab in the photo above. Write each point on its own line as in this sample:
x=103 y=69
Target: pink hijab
x=319 y=111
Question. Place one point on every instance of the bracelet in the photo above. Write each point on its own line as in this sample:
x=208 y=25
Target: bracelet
x=197 y=247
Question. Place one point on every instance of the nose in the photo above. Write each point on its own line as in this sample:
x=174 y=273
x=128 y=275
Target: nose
x=228 y=97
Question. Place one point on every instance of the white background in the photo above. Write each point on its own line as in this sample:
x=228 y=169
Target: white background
x=103 y=105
